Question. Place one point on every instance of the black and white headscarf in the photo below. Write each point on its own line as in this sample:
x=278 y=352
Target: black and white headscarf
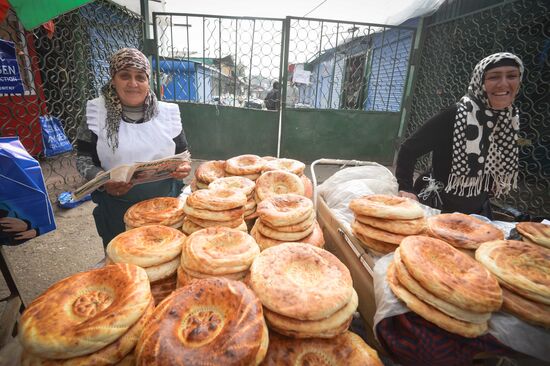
x=120 y=60
x=485 y=151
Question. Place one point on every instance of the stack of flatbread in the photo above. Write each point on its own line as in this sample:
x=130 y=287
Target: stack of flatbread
x=346 y=349
x=216 y=251
x=286 y=218
x=248 y=166
x=462 y=231
x=167 y=211
x=213 y=321
x=292 y=166
x=444 y=285
x=206 y=173
x=157 y=249
x=523 y=271
x=214 y=207
x=90 y=318
x=534 y=233
x=242 y=184
x=382 y=221
x=306 y=291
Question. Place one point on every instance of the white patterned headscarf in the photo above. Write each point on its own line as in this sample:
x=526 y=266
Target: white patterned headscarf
x=485 y=151
x=120 y=60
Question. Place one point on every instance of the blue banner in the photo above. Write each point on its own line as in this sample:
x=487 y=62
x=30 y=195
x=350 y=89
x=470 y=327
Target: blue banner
x=10 y=79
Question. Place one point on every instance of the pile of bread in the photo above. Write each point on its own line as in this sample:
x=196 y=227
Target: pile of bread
x=535 y=233
x=286 y=218
x=444 y=285
x=89 y=318
x=155 y=248
x=383 y=221
x=216 y=252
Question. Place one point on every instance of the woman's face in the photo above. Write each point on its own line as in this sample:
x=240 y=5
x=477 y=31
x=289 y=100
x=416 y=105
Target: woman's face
x=132 y=86
x=501 y=85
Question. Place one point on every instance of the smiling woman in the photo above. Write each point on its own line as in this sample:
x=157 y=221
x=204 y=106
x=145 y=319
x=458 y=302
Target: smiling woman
x=474 y=143
x=127 y=124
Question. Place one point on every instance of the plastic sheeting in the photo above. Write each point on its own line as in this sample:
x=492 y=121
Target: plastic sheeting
x=414 y=9
x=509 y=330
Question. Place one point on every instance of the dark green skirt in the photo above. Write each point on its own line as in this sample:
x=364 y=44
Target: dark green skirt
x=110 y=210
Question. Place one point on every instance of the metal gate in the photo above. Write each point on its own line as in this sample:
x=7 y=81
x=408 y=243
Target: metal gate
x=211 y=63
x=60 y=71
x=449 y=53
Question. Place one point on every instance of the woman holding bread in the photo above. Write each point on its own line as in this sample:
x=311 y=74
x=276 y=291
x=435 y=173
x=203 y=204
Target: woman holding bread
x=124 y=125
x=474 y=143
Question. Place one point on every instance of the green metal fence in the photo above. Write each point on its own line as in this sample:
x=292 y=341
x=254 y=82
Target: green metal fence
x=450 y=50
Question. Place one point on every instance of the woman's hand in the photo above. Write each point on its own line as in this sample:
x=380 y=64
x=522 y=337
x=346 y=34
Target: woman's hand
x=182 y=171
x=116 y=189
x=406 y=194
x=13 y=225
x=29 y=234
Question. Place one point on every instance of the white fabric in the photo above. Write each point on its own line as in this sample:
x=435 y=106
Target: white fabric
x=138 y=142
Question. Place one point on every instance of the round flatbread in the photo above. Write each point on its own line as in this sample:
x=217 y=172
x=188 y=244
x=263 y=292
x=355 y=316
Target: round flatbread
x=386 y=207
x=226 y=215
x=403 y=227
x=530 y=311
x=378 y=247
x=451 y=275
x=406 y=280
x=242 y=184
x=284 y=209
x=431 y=314
x=301 y=281
x=216 y=199
x=161 y=211
x=377 y=234
x=215 y=320
x=462 y=231
x=289 y=165
x=523 y=267
x=146 y=246
x=247 y=164
x=347 y=349
x=85 y=312
x=281 y=235
x=278 y=182
x=535 y=232
x=209 y=171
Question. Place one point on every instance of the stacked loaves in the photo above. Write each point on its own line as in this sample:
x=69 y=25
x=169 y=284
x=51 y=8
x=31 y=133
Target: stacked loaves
x=444 y=285
x=90 y=318
x=242 y=184
x=292 y=166
x=534 y=233
x=276 y=182
x=523 y=270
x=286 y=218
x=216 y=251
x=214 y=207
x=167 y=211
x=206 y=173
x=155 y=248
x=382 y=222
x=306 y=291
x=462 y=231
x=213 y=321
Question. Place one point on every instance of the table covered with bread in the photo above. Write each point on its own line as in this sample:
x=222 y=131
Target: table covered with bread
x=447 y=287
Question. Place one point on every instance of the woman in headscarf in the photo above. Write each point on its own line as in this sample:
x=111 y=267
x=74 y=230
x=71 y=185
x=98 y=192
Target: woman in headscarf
x=474 y=143
x=124 y=125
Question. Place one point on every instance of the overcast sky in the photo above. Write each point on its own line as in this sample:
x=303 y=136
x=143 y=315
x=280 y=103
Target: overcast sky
x=365 y=11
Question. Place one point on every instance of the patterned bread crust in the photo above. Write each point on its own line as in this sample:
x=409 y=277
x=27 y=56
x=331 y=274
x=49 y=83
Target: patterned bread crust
x=146 y=246
x=450 y=274
x=216 y=199
x=284 y=209
x=161 y=210
x=85 y=312
x=289 y=165
x=216 y=320
x=536 y=232
x=278 y=182
x=301 y=281
x=244 y=165
x=523 y=267
x=462 y=231
x=345 y=349
x=209 y=171
x=242 y=184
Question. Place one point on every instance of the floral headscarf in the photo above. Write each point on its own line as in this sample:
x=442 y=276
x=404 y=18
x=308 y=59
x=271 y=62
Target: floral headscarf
x=484 y=139
x=120 y=60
